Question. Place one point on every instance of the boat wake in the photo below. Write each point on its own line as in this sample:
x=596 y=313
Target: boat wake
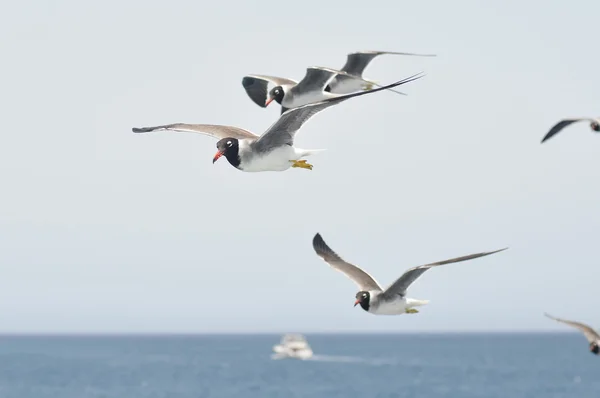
x=347 y=359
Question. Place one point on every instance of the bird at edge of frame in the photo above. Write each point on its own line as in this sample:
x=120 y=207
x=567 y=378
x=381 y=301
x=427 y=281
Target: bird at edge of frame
x=558 y=127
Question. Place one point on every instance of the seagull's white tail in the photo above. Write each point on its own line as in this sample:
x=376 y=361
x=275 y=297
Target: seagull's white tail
x=415 y=303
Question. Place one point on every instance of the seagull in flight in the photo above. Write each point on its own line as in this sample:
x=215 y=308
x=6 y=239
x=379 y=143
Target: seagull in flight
x=355 y=65
x=291 y=94
x=590 y=334
x=372 y=297
x=594 y=125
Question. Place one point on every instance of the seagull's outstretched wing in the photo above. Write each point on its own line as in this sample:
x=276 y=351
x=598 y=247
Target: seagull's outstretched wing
x=357 y=62
x=399 y=287
x=213 y=130
x=360 y=277
x=590 y=334
x=562 y=124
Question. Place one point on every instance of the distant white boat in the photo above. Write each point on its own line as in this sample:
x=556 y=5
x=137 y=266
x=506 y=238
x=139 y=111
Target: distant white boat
x=292 y=346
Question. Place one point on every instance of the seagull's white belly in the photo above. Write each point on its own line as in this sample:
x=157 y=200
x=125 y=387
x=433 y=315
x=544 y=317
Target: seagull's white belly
x=276 y=160
x=348 y=86
x=305 y=98
x=395 y=307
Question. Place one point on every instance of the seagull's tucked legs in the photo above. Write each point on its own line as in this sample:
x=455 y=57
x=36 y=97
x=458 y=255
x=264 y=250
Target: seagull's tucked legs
x=368 y=86
x=301 y=164
x=412 y=311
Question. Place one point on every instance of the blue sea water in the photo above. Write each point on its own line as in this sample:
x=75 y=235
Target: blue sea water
x=378 y=366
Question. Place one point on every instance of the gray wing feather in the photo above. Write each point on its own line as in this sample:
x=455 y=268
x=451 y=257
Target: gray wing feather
x=399 y=287
x=590 y=334
x=358 y=61
x=213 y=130
x=256 y=86
x=561 y=125
x=282 y=132
x=317 y=78
x=360 y=277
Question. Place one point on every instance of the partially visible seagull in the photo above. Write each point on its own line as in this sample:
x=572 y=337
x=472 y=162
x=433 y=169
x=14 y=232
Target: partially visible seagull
x=372 y=297
x=590 y=334
x=594 y=125
x=355 y=65
x=272 y=151
x=291 y=94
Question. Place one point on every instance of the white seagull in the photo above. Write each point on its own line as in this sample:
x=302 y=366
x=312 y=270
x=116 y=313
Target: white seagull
x=590 y=334
x=594 y=125
x=291 y=94
x=274 y=150
x=372 y=297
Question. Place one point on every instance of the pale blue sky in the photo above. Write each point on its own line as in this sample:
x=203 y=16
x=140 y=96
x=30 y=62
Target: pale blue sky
x=105 y=230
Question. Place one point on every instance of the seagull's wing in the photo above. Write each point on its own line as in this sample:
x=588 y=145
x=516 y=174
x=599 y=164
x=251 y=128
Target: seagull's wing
x=562 y=124
x=256 y=86
x=317 y=78
x=590 y=334
x=357 y=62
x=360 y=277
x=213 y=130
x=314 y=81
x=399 y=287
x=282 y=132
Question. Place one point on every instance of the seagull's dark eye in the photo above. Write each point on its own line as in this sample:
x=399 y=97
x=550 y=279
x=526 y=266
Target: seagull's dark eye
x=228 y=143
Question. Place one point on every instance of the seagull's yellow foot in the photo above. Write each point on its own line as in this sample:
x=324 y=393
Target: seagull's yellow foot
x=368 y=86
x=301 y=164
x=412 y=311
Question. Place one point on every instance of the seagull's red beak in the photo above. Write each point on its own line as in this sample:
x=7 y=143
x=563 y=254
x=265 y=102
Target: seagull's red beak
x=356 y=302
x=217 y=156
x=268 y=101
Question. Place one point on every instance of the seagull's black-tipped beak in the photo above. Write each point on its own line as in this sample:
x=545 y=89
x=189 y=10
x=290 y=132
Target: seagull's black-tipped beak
x=356 y=302
x=217 y=156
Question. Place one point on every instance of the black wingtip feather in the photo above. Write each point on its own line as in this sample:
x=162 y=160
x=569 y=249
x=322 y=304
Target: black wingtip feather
x=319 y=245
x=247 y=82
x=322 y=249
x=143 y=129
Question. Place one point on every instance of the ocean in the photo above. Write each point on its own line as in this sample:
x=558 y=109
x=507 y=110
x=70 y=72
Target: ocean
x=357 y=366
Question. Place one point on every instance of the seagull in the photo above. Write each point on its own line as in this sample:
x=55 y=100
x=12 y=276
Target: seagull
x=355 y=65
x=590 y=334
x=274 y=150
x=371 y=297
x=291 y=94
x=594 y=125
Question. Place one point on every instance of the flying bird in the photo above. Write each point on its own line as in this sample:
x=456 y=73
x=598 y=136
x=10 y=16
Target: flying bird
x=594 y=125
x=372 y=297
x=291 y=94
x=355 y=65
x=274 y=150
x=590 y=334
